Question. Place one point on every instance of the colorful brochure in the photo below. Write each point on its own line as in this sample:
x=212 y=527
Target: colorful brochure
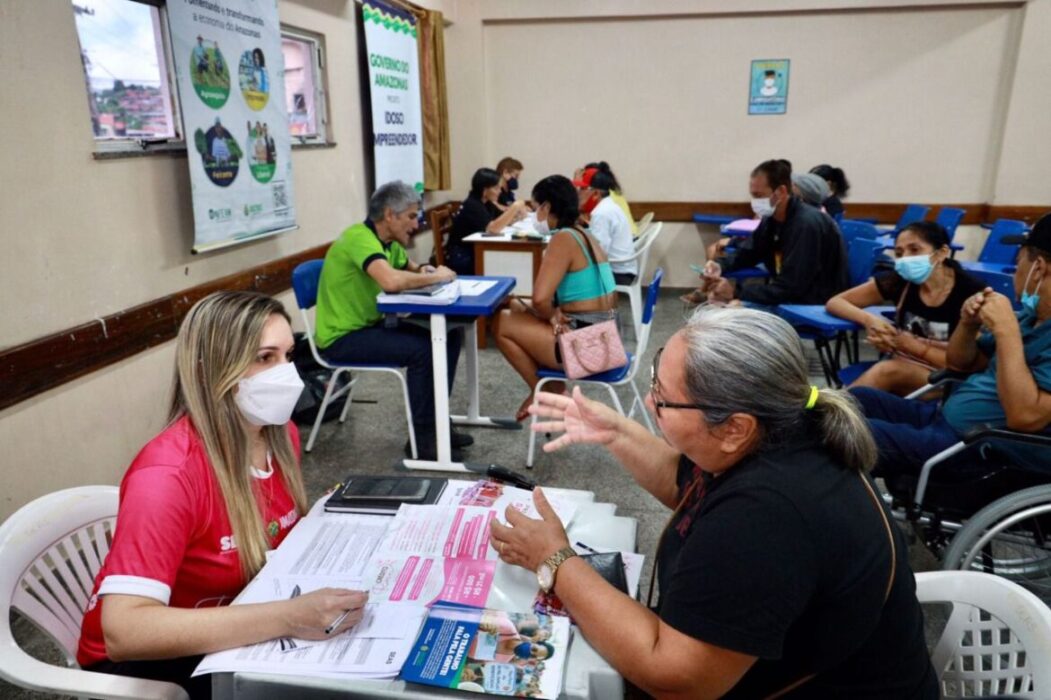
x=490 y=651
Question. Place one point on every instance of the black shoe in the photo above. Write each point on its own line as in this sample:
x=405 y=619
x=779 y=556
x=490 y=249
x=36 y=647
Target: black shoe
x=428 y=449
x=458 y=439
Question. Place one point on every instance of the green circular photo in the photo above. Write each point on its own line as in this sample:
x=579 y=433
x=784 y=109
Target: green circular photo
x=220 y=153
x=262 y=154
x=209 y=73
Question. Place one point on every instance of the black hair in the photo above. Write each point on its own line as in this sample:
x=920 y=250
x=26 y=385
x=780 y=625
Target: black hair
x=835 y=177
x=933 y=234
x=603 y=167
x=258 y=54
x=602 y=182
x=483 y=179
x=777 y=173
x=558 y=192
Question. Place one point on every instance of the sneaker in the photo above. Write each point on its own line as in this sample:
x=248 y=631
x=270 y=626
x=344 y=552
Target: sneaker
x=428 y=449
x=459 y=439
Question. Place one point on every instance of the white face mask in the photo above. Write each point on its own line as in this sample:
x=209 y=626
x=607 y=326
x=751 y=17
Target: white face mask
x=268 y=398
x=541 y=227
x=762 y=206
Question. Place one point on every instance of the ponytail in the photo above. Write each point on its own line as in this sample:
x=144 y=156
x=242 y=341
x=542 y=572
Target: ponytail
x=844 y=431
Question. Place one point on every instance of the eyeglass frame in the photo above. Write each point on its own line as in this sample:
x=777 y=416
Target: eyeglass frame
x=659 y=403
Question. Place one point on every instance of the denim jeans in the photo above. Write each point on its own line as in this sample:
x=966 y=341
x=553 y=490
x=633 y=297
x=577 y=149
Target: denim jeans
x=907 y=432
x=404 y=345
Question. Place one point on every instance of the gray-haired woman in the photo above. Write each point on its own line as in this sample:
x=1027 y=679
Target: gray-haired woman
x=779 y=568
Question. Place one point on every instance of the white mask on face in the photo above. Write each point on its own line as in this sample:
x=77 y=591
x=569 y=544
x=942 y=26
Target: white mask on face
x=268 y=398
x=762 y=206
x=541 y=226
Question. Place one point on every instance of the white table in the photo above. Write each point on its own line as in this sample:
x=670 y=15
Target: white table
x=479 y=306
x=588 y=676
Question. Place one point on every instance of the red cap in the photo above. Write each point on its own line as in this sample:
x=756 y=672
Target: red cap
x=585 y=178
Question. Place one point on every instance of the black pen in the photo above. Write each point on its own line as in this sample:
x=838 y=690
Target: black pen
x=590 y=549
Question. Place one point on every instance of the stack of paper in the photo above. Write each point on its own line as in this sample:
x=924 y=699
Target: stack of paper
x=326 y=553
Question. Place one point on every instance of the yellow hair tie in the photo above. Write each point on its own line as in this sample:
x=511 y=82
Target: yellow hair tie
x=810 y=402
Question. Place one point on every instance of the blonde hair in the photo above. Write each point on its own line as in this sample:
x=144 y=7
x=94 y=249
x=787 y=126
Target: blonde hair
x=217 y=342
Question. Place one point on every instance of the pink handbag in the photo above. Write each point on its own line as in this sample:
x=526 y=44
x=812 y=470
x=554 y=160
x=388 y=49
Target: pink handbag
x=595 y=348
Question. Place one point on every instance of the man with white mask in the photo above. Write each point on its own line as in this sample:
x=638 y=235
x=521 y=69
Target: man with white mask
x=1009 y=355
x=800 y=246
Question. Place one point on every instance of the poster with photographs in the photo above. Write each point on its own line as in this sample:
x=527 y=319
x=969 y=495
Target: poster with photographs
x=229 y=71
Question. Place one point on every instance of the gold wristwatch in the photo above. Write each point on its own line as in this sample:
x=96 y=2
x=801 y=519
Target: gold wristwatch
x=545 y=573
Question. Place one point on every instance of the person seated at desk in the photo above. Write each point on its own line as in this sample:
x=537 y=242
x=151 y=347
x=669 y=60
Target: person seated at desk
x=800 y=246
x=779 y=566
x=509 y=169
x=615 y=192
x=607 y=222
x=479 y=213
x=838 y=184
x=204 y=501
x=369 y=258
x=811 y=189
x=1010 y=361
x=928 y=288
x=574 y=288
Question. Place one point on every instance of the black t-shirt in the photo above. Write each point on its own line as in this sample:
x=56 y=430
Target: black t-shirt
x=506 y=197
x=786 y=558
x=934 y=322
x=474 y=216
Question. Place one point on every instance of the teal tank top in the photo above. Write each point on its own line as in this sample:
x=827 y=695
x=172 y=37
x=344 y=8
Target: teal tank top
x=584 y=285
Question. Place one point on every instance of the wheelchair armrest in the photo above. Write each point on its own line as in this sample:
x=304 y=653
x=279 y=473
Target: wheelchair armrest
x=939 y=376
x=985 y=432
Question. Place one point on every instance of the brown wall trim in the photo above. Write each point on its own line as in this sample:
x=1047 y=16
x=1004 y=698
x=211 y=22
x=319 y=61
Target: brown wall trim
x=45 y=363
x=885 y=213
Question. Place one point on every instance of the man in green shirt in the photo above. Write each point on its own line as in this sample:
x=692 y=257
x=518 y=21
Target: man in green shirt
x=367 y=259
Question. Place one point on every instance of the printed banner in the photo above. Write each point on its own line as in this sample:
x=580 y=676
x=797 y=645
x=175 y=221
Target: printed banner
x=394 y=91
x=768 y=91
x=230 y=74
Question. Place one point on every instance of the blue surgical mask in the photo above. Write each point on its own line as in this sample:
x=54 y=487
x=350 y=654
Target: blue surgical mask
x=1030 y=301
x=914 y=268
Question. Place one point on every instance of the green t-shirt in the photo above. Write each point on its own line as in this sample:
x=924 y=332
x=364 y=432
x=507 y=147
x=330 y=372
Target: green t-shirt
x=346 y=295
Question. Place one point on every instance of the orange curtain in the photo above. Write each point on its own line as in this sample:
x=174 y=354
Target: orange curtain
x=434 y=109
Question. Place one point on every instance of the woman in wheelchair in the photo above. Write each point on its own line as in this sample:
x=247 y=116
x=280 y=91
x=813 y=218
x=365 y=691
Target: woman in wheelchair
x=1007 y=355
x=928 y=288
x=779 y=567
x=204 y=501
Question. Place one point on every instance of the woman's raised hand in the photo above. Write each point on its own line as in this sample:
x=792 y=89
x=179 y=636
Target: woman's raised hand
x=308 y=615
x=578 y=418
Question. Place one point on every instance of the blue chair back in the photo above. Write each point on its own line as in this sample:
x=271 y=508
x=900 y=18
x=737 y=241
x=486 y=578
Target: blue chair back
x=305 y=279
x=651 y=295
x=1000 y=282
x=852 y=229
x=861 y=256
x=950 y=218
x=913 y=212
x=996 y=252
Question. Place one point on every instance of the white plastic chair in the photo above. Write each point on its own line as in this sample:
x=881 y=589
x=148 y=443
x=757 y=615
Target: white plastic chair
x=622 y=376
x=997 y=640
x=641 y=225
x=305 y=279
x=50 y=551
x=641 y=256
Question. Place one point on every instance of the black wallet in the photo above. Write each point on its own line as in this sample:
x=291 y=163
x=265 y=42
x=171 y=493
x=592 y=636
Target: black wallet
x=610 y=566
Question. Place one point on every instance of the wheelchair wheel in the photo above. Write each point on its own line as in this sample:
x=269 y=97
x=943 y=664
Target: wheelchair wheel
x=1011 y=537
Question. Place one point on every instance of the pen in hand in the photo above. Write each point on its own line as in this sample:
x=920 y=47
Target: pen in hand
x=338 y=621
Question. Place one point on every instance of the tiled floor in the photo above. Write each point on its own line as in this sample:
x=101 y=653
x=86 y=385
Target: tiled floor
x=371 y=441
